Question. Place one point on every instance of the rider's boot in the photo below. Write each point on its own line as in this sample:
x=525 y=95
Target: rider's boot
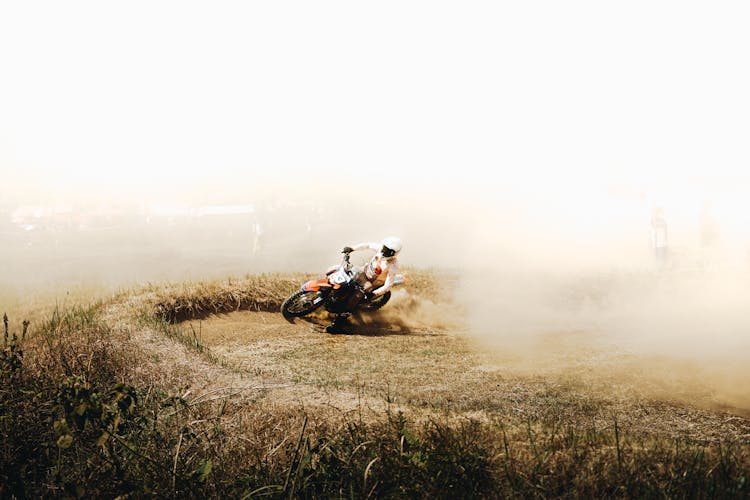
x=338 y=324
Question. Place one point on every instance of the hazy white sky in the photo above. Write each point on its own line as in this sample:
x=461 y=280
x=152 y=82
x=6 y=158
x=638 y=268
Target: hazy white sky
x=525 y=97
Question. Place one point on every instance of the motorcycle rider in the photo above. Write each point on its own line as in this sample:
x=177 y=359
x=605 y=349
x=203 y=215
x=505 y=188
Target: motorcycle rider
x=375 y=279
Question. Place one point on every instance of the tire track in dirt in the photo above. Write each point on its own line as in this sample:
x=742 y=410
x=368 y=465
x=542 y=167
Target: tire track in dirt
x=249 y=342
x=410 y=357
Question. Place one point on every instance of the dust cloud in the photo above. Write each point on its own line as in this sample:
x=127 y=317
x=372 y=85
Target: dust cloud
x=416 y=315
x=548 y=281
x=52 y=246
x=584 y=289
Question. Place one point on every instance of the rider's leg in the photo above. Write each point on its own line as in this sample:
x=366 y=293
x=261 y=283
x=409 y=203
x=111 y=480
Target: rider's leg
x=361 y=287
x=359 y=293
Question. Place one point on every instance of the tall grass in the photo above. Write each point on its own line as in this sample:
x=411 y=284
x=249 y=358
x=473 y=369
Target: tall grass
x=263 y=292
x=198 y=300
x=77 y=419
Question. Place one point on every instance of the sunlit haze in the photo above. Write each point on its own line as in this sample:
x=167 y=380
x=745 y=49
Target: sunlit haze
x=538 y=150
x=549 y=290
x=174 y=98
x=533 y=123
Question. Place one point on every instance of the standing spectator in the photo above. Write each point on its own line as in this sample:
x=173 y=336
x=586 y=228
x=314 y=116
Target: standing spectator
x=257 y=232
x=659 y=237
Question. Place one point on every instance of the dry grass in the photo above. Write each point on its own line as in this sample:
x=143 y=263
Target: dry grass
x=123 y=398
x=198 y=300
x=264 y=292
x=416 y=353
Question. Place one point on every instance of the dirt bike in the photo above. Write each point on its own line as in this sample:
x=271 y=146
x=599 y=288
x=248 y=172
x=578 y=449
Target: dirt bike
x=334 y=293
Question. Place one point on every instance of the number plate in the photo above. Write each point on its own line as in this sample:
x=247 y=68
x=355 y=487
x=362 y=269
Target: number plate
x=339 y=277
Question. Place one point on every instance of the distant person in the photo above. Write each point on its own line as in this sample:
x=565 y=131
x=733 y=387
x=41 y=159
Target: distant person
x=659 y=237
x=376 y=277
x=257 y=232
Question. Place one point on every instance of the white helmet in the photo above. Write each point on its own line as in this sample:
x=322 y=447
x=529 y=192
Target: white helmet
x=391 y=247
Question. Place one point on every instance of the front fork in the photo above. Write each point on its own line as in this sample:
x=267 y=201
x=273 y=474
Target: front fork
x=358 y=293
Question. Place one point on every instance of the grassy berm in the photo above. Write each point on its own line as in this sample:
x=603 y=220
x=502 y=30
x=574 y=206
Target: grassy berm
x=203 y=390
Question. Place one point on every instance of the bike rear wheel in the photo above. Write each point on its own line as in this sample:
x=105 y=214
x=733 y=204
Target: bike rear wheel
x=376 y=303
x=302 y=302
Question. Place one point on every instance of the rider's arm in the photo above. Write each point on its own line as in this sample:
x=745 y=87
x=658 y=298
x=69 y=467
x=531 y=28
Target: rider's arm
x=365 y=246
x=392 y=270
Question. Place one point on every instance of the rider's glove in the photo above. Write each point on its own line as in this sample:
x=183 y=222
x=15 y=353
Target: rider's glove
x=347 y=250
x=369 y=296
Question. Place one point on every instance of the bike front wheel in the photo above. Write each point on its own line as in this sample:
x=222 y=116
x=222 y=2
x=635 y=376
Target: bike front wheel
x=302 y=302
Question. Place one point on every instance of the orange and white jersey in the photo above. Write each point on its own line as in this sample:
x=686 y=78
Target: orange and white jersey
x=380 y=271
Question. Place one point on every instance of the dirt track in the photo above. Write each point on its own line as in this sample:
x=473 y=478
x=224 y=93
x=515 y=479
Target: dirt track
x=413 y=357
